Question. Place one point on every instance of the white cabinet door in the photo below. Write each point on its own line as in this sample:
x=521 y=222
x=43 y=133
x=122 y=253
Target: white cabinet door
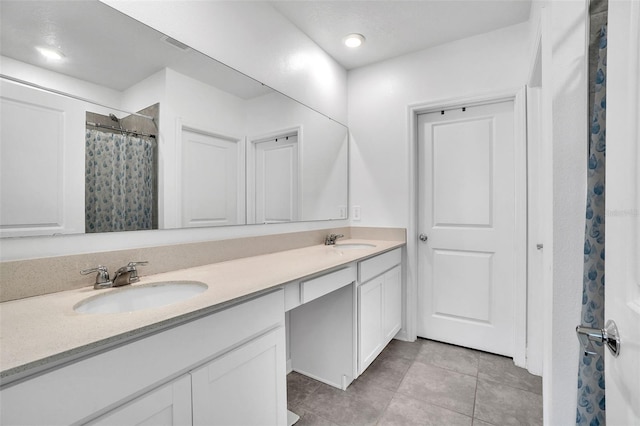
x=370 y=297
x=379 y=306
x=168 y=405
x=392 y=313
x=246 y=386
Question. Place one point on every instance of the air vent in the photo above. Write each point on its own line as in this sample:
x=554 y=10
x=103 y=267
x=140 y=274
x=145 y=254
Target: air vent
x=175 y=43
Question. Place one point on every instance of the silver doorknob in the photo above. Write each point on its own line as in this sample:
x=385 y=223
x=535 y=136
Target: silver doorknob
x=609 y=335
x=423 y=237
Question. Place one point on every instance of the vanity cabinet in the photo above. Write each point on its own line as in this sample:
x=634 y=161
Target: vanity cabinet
x=379 y=305
x=243 y=387
x=169 y=405
x=229 y=365
x=392 y=303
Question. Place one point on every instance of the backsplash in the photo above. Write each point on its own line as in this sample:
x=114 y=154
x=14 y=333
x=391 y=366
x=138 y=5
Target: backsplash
x=35 y=277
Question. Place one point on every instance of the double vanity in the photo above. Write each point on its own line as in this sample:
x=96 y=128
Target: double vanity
x=219 y=355
x=212 y=327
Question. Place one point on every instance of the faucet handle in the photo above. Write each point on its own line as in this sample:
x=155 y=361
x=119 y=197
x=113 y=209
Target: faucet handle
x=331 y=239
x=102 y=276
x=100 y=269
x=133 y=276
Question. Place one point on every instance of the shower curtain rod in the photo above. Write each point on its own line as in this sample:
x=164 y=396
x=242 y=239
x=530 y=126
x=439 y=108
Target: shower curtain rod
x=117 y=129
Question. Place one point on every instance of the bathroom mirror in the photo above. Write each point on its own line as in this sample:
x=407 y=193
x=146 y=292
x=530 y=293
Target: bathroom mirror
x=223 y=148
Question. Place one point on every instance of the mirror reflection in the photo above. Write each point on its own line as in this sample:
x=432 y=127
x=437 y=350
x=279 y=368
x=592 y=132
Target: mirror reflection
x=129 y=129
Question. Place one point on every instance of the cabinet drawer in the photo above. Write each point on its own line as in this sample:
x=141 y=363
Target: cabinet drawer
x=317 y=287
x=370 y=268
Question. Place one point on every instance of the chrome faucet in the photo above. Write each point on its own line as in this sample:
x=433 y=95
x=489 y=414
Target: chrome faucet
x=330 y=239
x=102 y=278
x=127 y=274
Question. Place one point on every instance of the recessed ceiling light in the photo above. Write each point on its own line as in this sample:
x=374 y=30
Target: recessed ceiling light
x=353 y=40
x=50 y=53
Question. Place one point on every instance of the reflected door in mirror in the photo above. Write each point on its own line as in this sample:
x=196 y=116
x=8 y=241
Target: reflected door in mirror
x=42 y=162
x=212 y=179
x=277 y=180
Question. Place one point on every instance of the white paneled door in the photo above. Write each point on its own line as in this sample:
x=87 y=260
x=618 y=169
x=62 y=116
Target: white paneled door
x=276 y=185
x=42 y=146
x=212 y=180
x=466 y=254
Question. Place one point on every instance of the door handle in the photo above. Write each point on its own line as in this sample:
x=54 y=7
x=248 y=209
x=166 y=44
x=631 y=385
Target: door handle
x=608 y=334
x=423 y=238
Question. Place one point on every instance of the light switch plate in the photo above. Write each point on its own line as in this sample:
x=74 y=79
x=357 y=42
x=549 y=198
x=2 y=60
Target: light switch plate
x=342 y=212
x=356 y=212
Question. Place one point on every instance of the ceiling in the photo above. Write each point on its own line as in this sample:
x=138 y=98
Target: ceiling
x=396 y=27
x=96 y=53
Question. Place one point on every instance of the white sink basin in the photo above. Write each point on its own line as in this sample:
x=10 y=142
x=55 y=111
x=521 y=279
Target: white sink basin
x=129 y=299
x=353 y=246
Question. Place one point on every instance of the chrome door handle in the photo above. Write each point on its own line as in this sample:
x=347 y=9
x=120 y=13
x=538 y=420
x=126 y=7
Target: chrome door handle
x=423 y=237
x=609 y=335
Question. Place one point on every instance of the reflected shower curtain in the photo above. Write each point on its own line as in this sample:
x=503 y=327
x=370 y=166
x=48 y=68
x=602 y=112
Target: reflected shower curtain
x=118 y=182
x=591 y=387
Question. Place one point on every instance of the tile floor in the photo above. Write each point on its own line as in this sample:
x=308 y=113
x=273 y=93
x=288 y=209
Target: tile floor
x=424 y=383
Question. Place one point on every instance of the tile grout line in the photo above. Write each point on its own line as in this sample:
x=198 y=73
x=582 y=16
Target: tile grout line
x=475 y=397
x=438 y=405
x=395 y=392
x=450 y=370
x=502 y=383
x=475 y=394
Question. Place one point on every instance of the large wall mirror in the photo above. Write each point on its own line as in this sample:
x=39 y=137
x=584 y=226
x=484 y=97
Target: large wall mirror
x=128 y=129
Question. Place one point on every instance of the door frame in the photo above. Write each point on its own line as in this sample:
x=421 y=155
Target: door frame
x=518 y=96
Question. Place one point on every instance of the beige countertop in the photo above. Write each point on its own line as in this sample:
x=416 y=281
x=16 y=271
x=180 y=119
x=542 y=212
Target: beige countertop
x=44 y=331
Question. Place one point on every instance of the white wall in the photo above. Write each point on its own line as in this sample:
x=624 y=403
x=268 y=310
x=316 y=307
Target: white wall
x=196 y=105
x=323 y=166
x=379 y=96
x=565 y=102
x=255 y=39
x=61 y=82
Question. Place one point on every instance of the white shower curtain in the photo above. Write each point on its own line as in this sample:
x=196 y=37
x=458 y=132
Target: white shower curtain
x=119 y=176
